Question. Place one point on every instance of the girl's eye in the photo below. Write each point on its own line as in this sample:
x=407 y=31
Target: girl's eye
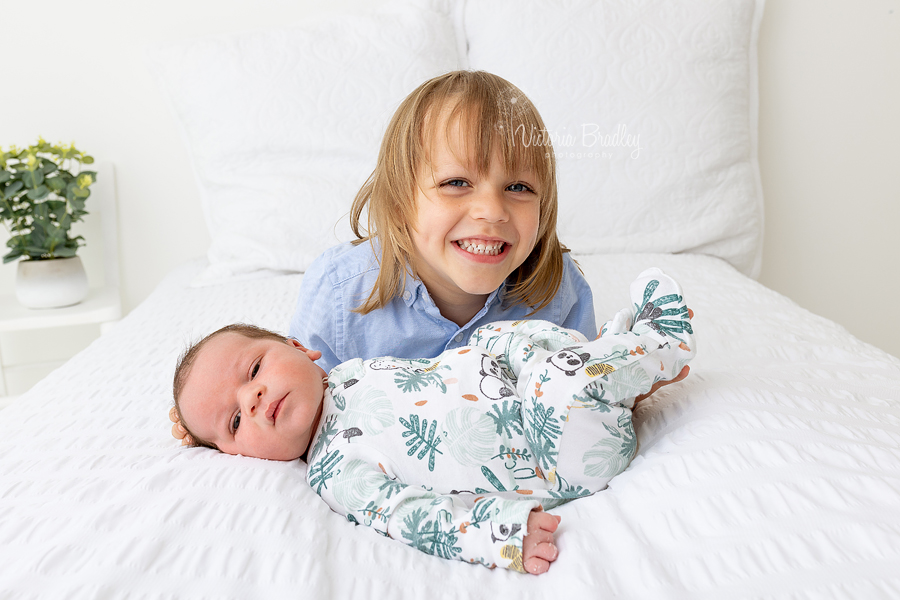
x=456 y=183
x=519 y=187
x=255 y=370
x=236 y=422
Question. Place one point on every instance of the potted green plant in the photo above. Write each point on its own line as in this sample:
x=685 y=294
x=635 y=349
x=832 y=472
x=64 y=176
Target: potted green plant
x=42 y=193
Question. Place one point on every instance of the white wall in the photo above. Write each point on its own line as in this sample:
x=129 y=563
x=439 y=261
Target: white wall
x=75 y=71
x=103 y=97
x=830 y=88
x=830 y=160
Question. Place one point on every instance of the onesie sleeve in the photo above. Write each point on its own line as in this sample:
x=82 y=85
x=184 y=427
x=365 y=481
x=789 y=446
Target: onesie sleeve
x=513 y=343
x=357 y=482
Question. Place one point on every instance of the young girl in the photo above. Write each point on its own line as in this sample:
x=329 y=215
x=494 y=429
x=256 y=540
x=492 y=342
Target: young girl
x=460 y=232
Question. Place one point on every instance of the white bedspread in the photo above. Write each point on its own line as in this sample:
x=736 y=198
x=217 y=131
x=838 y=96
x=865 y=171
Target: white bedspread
x=772 y=472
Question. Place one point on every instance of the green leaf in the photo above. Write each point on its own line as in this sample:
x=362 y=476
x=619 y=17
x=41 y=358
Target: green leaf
x=57 y=206
x=38 y=236
x=64 y=252
x=73 y=191
x=88 y=160
x=13 y=255
x=5 y=175
x=39 y=193
x=58 y=184
x=12 y=188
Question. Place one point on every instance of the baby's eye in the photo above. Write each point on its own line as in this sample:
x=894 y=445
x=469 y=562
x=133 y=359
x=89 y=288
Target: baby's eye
x=254 y=370
x=519 y=187
x=236 y=422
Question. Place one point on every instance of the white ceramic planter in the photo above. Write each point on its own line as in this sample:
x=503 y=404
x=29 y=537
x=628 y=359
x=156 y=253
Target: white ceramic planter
x=51 y=283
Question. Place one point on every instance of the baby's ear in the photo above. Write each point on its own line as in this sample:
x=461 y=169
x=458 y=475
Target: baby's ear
x=312 y=354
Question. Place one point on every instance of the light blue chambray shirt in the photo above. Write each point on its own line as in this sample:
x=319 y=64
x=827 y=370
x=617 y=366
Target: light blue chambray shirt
x=410 y=326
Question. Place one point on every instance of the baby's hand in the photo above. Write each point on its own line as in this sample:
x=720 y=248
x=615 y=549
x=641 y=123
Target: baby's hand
x=538 y=549
x=178 y=430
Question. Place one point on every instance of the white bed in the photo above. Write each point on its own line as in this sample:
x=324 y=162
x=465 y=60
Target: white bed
x=773 y=471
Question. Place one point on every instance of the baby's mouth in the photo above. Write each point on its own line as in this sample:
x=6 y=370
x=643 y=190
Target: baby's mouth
x=481 y=247
x=274 y=409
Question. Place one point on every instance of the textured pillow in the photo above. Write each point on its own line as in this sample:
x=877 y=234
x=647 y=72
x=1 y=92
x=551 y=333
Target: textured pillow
x=283 y=126
x=651 y=107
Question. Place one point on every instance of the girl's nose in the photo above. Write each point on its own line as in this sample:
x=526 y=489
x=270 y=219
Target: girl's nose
x=490 y=205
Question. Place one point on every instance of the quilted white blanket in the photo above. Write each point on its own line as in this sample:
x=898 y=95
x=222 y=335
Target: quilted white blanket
x=772 y=472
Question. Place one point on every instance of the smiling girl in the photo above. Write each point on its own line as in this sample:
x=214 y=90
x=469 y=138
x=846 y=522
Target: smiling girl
x=460 y=231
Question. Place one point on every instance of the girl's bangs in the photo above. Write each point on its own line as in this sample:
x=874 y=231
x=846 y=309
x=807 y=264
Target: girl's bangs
x=494 y=117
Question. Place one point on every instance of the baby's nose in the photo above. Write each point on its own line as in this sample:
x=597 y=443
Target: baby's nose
x=253 y=399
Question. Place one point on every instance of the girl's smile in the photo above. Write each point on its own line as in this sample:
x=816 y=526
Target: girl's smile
x=488 y=248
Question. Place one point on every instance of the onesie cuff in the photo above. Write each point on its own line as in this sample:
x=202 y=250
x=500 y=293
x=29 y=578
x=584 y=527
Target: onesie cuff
x=508 y=527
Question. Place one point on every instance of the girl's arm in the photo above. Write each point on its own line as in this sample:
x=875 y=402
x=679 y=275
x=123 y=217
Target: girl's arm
x=577 y=301
x=317 y=312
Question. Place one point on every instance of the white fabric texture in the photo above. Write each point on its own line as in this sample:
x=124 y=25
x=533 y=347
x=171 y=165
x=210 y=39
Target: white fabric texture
x=651 y=107
x=771 y=472
x=284 y=126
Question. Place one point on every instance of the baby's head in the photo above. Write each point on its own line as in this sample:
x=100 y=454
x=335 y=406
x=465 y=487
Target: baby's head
x=246 y=390
x=484 y=120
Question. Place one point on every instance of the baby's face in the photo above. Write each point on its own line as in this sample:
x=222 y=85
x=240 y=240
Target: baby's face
x=254 y=397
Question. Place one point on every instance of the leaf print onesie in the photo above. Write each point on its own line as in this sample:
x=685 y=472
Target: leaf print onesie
x=450 y=454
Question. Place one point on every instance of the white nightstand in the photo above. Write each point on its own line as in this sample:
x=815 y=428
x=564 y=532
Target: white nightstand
x=103 y=305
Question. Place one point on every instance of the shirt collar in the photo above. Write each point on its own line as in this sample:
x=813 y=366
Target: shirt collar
x=414 y=291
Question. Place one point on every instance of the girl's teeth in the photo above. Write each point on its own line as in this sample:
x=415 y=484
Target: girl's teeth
x=492 y=249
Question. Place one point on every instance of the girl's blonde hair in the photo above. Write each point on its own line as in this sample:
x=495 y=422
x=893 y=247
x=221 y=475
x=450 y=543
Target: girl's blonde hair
x=493 y=115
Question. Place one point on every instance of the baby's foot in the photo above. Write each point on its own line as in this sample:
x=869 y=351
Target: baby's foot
x=620 y=323
x=659 y=308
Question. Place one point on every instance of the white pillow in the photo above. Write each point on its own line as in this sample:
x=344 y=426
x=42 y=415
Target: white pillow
x=283 y=126
x=678 y=77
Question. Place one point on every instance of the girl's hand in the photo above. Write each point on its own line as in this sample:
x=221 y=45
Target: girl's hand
x=538 y=549
x=681 y=376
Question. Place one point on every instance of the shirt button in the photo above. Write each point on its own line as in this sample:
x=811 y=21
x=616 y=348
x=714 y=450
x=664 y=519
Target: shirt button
x=407 y=295
x=458 y=337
